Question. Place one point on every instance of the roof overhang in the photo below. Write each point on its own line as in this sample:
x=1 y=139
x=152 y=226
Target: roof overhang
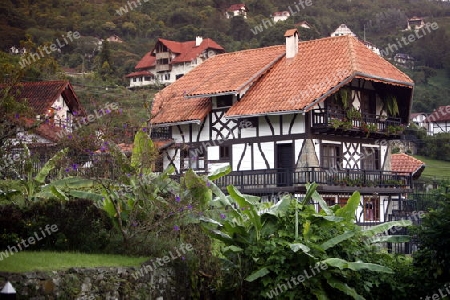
x=198 y=122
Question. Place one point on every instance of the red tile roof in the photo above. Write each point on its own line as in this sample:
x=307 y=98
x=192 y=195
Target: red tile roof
x=139 y=74
x=147 y=61
x=211 y=77
x=45 y=129
x=440 y=114
x=272 y=84
x=319 y=66
x=187 y=51
x=402 y=162
x=281 y=13
x=235 y=7
x=41 y=95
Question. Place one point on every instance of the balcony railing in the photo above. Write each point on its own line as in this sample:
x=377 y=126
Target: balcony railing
x=271 y=179
x=367 y=123
x=163 y=68
x=161 y=133
x=162 y=55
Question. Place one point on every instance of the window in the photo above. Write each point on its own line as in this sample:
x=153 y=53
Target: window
x=371 y=209
x=179 y=76
x=134 y=79
x=342 y=201
x=224 y=101
x=370 y=159
x=331 y=156
x=147 y=78
x=249 y=123
x=197 y=159
x=224 y=152
x=167 y=76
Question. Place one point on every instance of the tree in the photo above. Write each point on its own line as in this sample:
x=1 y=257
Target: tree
x=432 y=260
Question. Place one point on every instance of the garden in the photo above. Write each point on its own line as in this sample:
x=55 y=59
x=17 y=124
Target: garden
x=219 y=244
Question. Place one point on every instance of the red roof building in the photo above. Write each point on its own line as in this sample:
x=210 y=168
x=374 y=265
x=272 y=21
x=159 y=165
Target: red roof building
x=284 y=116
x=170 y=60
x=236 y=10
x=402 y=162
x=54 y=105
x=439 y=120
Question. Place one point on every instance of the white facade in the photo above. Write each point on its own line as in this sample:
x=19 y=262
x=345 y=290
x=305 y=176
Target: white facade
x=281 y=16
x=168 y=77
x=342 y=30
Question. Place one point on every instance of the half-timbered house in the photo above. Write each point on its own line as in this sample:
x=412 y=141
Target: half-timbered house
x=319 y=111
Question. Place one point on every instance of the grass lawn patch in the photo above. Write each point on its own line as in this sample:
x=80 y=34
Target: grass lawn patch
x=435 y=168
x=27 y=261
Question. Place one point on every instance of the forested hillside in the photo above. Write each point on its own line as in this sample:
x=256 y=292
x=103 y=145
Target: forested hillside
x=140 y=23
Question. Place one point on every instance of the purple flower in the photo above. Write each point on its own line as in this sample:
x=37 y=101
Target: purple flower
x=223 y=216
x=74 y=166
x=17 y=116
x=183 y=258
x=134 y=224
x=208 y=183
x=67 y=170
x=176 y=228
x=69 y=136
x=75 y=113
x=177 y=198
x=189 y=206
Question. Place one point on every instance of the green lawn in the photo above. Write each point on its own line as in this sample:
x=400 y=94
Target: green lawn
x=435 y=168
x=27 y=261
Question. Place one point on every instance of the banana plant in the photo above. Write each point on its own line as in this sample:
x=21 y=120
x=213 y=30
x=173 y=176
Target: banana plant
x=257 y=237
x=33 y=185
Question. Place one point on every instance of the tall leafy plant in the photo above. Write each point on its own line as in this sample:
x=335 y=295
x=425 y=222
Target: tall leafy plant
x=266 y=245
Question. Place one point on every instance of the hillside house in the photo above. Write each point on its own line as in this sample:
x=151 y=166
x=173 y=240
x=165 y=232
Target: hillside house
x=419 y=119
x=404 y=60
x=280 y=16
x=439 y=120
x=169 y=60
x=342 y=30
x=283 y=116
x=54 y=105
x=236 y=10
x=303 y=24
x=415 y=23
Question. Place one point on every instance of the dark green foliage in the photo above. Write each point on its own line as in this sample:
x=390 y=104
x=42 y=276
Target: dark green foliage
x=436 y=146
x=81 y=225
x=432 y=261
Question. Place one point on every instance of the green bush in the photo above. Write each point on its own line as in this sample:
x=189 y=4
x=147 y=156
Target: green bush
x=81 y=225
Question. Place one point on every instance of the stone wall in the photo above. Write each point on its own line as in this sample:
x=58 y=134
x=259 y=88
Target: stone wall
x=98 y=283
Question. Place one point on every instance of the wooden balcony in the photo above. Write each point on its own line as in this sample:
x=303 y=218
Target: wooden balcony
x=337 y=122
x=163 y=68
x=345 y=181
x=162 y=55
x=161 y=133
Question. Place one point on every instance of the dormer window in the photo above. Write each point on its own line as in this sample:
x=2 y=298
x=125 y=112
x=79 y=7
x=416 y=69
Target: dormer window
x=224 y=101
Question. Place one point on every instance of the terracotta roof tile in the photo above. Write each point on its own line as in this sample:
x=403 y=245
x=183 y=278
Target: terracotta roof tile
x=147 y=61
x=41 y=95
x=320 y=65
x=402 y=162
x=235 y=7
x=139 y=74
x=271 y=83
x=440 y=114
x=224 y=73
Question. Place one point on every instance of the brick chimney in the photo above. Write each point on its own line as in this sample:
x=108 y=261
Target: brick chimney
x=291 y=43
x=198 y=41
